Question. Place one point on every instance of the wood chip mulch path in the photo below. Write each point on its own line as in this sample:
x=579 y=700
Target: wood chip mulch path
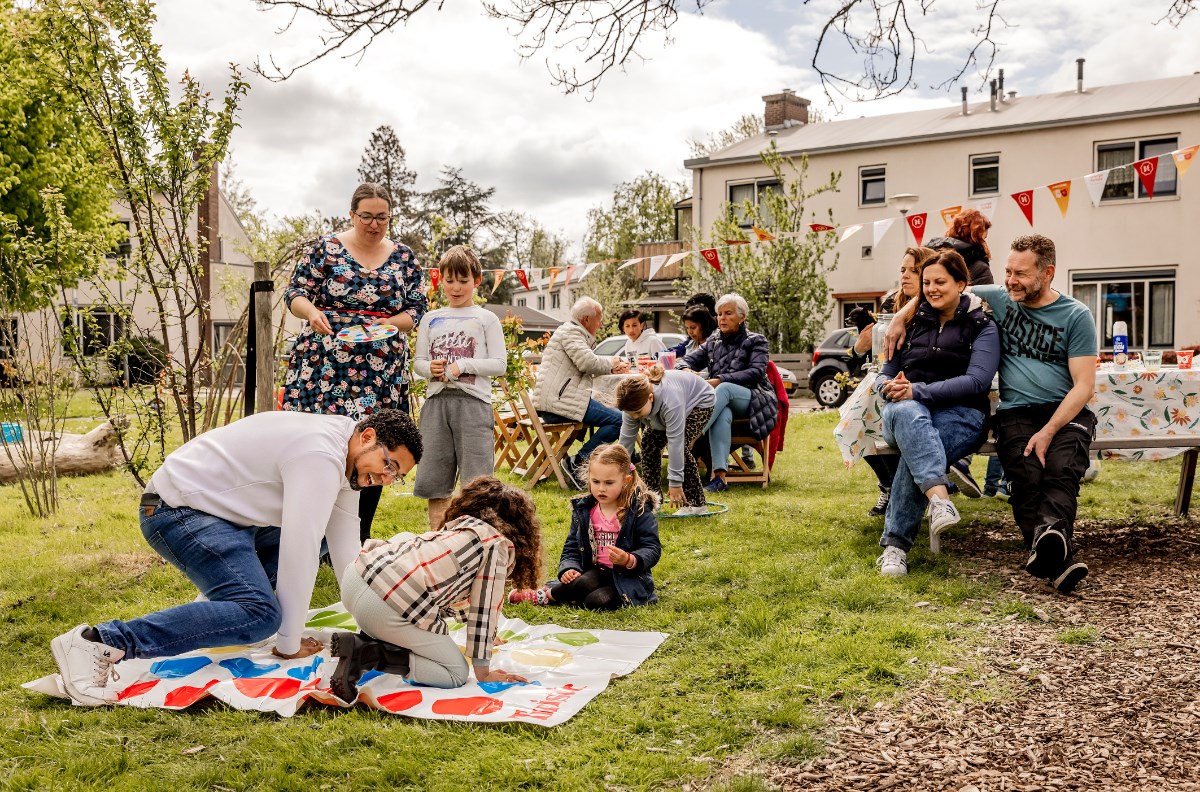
x=1100 y=690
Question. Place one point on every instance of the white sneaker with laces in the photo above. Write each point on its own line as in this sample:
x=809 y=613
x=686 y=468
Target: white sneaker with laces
x=942 y=514
x=893 y=562
x=86 y=667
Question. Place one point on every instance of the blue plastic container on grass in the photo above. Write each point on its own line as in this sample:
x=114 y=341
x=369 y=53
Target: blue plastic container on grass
x=12 y=432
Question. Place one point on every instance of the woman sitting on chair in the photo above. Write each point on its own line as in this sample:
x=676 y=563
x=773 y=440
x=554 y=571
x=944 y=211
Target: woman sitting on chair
x=736 y=360
x=936 y=388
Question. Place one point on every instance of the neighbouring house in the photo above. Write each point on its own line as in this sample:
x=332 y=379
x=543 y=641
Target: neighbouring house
x=534 y=324
x=1132 y=257
x=545 y=298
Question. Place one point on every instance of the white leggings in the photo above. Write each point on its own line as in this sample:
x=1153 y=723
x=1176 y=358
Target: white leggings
x=436 y=660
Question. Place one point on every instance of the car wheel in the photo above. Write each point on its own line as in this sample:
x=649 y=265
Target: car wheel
x=828 y=392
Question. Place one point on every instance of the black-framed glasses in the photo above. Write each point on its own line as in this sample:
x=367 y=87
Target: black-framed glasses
x=367 y=219
x=390 y=468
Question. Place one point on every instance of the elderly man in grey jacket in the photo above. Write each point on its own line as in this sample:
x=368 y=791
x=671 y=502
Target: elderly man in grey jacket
x=564 y=388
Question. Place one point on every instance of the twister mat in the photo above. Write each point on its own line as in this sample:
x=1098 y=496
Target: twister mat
x=566 y=669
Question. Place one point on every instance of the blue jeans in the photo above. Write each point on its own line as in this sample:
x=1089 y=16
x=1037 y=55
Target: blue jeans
x=731 y=401
x=927 y=438
x=605 y=420
x=233 y=566
x=995 y=475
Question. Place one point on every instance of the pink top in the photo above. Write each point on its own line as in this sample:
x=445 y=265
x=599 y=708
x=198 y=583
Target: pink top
x=604 y=532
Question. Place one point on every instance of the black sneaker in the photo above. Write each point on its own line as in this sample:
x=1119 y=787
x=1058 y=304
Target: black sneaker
x=960 y=473
x=1069 y=578
x=569 y=466
x=1049 y=551
x=748 y=457
x=880 y=507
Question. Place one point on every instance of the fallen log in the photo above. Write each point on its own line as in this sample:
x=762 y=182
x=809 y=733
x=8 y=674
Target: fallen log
x=77 y=454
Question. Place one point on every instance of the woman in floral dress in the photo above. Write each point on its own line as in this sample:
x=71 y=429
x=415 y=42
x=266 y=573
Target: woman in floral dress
x=354 y=277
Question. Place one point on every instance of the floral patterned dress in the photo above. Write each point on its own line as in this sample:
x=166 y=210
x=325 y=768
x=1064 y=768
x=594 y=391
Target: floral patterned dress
x=328 y=376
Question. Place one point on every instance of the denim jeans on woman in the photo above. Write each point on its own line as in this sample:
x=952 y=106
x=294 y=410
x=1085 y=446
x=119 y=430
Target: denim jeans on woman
x=732 y=401
x=234 y=567
x=605 y=420
x=927 y=438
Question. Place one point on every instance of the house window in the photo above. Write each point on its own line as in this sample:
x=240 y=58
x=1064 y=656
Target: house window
x=1122 y=181
x=521 y=303
x=1144 y=301
x=872 y=187
x=985 y=174
x=221 y=333
x=555 y=300
x=755 y=193
x=124 y=246
x=96 y=329
x=541 y=302
x=846 y=306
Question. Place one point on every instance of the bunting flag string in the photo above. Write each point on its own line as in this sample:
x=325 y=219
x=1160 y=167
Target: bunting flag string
x=1062 y=194
x=1146 y=169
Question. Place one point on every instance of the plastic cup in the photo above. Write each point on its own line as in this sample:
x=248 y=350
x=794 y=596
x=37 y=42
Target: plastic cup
x=1153 y=359
x=1184 y=356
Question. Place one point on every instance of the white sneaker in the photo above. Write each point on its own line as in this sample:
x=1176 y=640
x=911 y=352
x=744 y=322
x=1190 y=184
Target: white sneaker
x=86 y=666
x=942 y=514
x=893 y=562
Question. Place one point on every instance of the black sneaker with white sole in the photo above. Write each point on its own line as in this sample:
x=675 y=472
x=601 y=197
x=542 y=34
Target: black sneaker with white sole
x=569 y=467
x=1070 y=577
x=959 y=472
x=1049 y=551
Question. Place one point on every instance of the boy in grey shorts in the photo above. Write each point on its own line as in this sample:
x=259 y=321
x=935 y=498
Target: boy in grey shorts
x=459 y=349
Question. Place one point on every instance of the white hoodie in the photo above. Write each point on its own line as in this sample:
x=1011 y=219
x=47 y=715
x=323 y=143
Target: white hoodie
x=648 y=343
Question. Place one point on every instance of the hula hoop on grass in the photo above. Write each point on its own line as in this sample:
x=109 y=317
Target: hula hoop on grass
x=721 y=508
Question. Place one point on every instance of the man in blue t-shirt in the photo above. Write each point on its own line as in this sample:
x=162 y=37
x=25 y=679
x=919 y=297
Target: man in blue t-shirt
x=1043 y=426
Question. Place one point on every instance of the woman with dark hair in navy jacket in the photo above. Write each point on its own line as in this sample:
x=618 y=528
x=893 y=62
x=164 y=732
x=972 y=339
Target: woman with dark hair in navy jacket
x=936 y=387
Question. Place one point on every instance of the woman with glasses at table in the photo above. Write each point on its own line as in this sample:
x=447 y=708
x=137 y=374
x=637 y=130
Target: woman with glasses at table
x=354 y=277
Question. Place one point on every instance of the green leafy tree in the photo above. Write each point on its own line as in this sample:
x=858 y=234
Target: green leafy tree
x=642 y=210
x=47 y=141
x=163 y=144
x=784 y=282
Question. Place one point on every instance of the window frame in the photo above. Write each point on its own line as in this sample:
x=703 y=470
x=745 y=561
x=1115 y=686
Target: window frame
x=757 y=186
x=1139 y=145
x=975 y=165
x=1147 y=279
x=870 y=174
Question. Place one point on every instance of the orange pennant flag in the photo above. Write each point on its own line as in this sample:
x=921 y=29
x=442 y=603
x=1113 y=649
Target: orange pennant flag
x=763 y=236
x=553 y=275
x=1183 y=158
x=1062 y=194
x=497 y=279
x=949 y=213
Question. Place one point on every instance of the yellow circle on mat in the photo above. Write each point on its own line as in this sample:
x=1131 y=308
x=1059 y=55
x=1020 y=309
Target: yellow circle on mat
x=227 y=649
x=544 y=658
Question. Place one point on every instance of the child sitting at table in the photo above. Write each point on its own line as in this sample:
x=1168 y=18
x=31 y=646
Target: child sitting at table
x=642 y=340
x=613 y=542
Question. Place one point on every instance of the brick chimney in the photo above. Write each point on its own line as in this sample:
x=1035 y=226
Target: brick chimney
x=785 y=110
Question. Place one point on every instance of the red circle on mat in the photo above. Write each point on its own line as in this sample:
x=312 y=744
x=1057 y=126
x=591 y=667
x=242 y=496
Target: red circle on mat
x=136 y=690
x=470 y=705
x=398 y=702
x=262 y=687
x=187 y=695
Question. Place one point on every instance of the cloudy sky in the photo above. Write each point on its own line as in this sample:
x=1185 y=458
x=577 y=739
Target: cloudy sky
x=453 y=87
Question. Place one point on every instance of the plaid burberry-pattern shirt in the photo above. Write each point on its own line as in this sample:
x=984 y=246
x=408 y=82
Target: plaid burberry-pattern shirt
x=425 y=576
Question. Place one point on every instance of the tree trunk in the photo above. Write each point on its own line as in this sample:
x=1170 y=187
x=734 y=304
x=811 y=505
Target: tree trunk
x=93 y=452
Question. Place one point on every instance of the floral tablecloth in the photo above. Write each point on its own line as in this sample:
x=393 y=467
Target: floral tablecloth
x=1126 y=404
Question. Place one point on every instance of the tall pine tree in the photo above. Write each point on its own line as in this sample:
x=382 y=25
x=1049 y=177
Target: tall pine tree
x=383 y=162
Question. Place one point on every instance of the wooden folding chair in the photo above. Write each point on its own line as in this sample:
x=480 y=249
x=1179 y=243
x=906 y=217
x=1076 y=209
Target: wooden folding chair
x=547 y=444
x=739 y=470
x=508 y=432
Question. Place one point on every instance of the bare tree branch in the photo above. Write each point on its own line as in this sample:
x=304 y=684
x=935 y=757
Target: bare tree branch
x=1176 y=13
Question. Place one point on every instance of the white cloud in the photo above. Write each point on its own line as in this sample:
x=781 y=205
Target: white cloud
x=455 y=91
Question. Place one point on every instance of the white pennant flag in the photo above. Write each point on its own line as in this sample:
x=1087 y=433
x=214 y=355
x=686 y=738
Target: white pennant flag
x=881 y=228
x=588 y=269
x=1095 y=184
x=630 y=263
x=986 y=207
x=850 y=231
x=656 y=263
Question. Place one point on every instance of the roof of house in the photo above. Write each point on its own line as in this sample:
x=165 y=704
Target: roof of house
x=1104 y=102
x=531 y=320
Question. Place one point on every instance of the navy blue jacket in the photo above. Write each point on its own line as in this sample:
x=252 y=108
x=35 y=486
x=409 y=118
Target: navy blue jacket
x=741 y=358
x=638 y=537
x=950 y=364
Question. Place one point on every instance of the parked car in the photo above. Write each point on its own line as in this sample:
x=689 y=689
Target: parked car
x=832 y=356
x=614 y=344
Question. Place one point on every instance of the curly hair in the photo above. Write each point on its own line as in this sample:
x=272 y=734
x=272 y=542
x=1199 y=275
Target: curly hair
x=394 y=429
x=511 y=512
x=971 y=226
x=1042 y=247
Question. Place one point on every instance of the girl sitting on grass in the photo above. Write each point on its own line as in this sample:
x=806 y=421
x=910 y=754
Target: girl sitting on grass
x=613 y=542
x=400 y=592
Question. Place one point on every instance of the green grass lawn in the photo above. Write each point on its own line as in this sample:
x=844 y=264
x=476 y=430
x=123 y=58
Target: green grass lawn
x=774 y=610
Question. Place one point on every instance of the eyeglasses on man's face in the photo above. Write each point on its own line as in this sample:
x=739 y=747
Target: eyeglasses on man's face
x=368 y=219
x=390 y=469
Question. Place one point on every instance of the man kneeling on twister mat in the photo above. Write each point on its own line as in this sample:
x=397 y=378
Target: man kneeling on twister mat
x=241 y=510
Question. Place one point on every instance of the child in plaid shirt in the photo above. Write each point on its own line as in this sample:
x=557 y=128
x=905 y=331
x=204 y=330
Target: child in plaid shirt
x=400 y=592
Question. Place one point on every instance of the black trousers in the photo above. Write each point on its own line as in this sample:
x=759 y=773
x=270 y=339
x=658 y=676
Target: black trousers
x=885 y=466
x=368 y=502
x=594 y=590
x=1039 y=494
